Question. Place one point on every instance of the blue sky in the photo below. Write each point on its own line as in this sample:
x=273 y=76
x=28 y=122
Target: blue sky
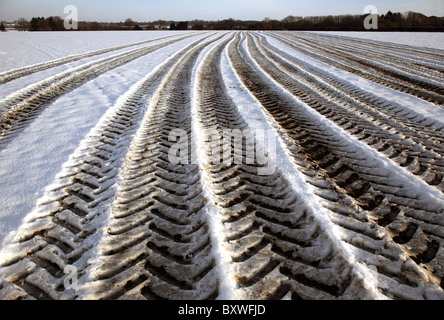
x=148 y=10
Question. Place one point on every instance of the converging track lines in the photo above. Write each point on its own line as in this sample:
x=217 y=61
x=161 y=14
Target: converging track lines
x=353 y=208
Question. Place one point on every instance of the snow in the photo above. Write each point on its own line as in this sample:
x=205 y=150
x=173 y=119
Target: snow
x=372 y=158
x=30 y=163
x=101 y=223
x=257 y=117
x=21 y=49
x=35 y=156
x=419 y=39
x=413 y=104
x=11 y=87
x=227 y=286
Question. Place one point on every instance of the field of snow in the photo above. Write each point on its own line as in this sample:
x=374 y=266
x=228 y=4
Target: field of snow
x=349 y=204
x=417 y=39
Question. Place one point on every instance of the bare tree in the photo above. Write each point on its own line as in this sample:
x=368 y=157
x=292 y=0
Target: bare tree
x=129 y=23
x=22 y=24
x=290 y=19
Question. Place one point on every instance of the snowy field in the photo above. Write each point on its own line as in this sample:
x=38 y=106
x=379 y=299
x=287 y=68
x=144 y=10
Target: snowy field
x=350 y=205
x=21 y=49
x=418 y=39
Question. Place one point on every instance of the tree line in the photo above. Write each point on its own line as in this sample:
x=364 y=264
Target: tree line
x=409 y=21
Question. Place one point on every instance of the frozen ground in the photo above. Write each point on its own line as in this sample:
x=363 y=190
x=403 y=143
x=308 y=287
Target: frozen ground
x=35 y=157
x=21 y=49
x=352 y=208
x=417 y=39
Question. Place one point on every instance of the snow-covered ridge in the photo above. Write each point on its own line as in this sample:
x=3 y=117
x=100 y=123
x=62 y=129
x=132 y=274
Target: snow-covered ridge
x=93 y=208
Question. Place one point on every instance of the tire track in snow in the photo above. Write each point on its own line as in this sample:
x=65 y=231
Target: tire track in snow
x=364 y=68
x=158 y=244
x=274 y=242
x=24 y=71
x=337 y=220
x=423 y=157
x=370 y=184
x=18 y=109
x=425 y=125
x=64 y=228
x=428 y=70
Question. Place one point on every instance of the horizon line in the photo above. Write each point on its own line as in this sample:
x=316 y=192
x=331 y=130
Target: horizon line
x=230 y=18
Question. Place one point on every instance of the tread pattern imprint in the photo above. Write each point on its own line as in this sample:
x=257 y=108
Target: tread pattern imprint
x=354 y=209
